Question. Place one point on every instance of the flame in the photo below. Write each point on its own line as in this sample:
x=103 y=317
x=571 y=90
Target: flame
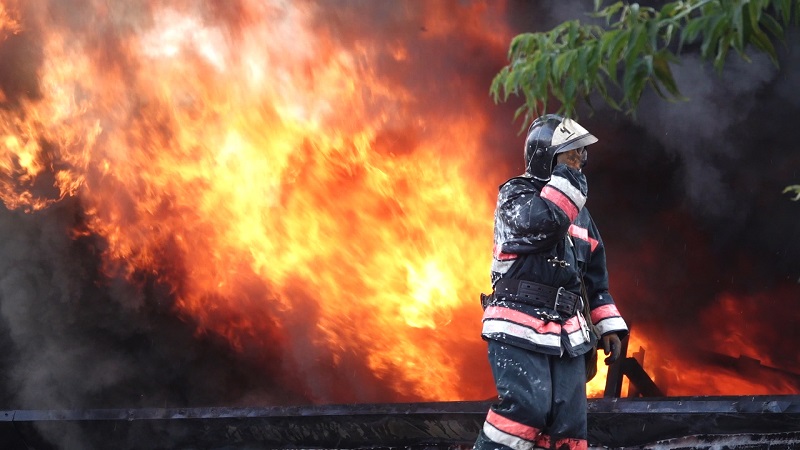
x=290 y=194
x=274 y=180
x=729 y=355
x=9 y=23
x=689 y=374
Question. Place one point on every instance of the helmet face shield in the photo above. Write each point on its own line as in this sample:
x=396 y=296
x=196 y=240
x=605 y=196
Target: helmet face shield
x=548 y=136
x=584 y=154
x=569 y=135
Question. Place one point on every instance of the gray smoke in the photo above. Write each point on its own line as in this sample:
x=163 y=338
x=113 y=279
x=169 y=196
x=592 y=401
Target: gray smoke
x=78 y=337
x=700 y=131
x=688 y=195
x=50 y=363
x=704 y=133
x=75 y=338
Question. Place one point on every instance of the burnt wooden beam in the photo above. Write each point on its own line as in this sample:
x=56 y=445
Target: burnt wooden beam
x=639 y=379
x=747 y=366
x=614 y=378
x=616 y=423
x=633 y=422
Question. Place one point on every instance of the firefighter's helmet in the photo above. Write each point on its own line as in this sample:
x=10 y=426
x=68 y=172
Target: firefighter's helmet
x=548 y=136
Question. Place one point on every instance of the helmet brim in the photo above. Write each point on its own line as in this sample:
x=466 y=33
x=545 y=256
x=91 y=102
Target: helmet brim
x=580 y=141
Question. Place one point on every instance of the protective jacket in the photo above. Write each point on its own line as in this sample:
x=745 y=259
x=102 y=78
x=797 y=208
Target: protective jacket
x=544 y=234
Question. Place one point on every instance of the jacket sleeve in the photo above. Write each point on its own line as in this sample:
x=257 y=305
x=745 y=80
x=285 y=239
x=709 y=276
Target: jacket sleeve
x=533 y=221
x=605 y=315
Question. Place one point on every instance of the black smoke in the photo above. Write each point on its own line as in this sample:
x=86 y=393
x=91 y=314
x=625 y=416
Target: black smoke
x=687 y=196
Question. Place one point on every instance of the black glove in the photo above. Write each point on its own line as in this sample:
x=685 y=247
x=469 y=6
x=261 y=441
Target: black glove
x=486 y=300
x=611 y=344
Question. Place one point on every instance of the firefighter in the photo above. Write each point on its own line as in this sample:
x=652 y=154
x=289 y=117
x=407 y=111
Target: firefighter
x=549 y=260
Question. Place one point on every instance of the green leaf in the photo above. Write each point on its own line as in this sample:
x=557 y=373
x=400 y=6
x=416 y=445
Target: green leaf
x=755 y=13
x=603 y=91
x=572 y=35
x=692 y=29
x=570 y=86
x=563 y=63
x=762 y=42
x=520 y=44
x=667 y=11
x=582 y=61
x=613 y=8
x=722 y=52
x=517 y=77
x=796 y=13
x=737 y=23
x=663 y=73
x=772 y=26
x=784 y=9
x=712 y=37
x=497 y=83
x=633 y=54
x=542 y=68
x=668 y=34
x=636 y=93
x=634 y=80
x=610 y=40
x=594 y=62
x=634 y=11
x=648 y=64
x=794 y=188
x=637 y=42
x=615 y=53
x=523 y=111
x=572 y=61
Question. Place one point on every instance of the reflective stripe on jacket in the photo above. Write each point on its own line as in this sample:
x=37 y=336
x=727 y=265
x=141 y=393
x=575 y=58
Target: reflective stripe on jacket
x=544 y=234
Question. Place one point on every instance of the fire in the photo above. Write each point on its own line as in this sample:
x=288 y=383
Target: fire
x=274 y=180
x=733 y=359
x=9 y=24
x=288 y=194
x=710 y=373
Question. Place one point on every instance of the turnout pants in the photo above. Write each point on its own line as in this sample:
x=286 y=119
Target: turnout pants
x=542 y=401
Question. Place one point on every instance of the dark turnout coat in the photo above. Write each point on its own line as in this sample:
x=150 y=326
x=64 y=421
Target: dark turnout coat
x=544 y=234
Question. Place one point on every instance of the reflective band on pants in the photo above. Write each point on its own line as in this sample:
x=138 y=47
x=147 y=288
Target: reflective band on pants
x=543 y=401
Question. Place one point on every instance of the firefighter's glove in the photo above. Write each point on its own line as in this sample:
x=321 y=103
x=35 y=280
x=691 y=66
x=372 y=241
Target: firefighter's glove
x=612 y=345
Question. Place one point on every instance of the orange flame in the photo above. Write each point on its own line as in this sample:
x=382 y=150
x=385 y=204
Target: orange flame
x=731 y=359
x=286 y=190
x=274 y=180
x=9 y=23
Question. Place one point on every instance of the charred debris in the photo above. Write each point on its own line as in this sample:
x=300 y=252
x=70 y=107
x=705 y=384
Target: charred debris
x=644 y=419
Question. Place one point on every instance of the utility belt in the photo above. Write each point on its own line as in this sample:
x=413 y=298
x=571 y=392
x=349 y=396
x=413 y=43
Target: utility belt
x=539 y=295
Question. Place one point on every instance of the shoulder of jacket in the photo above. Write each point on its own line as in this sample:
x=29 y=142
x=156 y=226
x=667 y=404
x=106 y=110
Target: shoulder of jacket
x=517 y=181
x=584 y=220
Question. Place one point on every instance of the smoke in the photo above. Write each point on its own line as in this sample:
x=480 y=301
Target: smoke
x=687 y=196
x=731 y=143
x=717 y=225
x=80 y=335
x=701 y=131
x=73 y=337
x=705 y=134
x=82 y=341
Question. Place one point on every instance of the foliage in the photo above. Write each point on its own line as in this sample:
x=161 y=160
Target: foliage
x=793 y=189
x=634 y=50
